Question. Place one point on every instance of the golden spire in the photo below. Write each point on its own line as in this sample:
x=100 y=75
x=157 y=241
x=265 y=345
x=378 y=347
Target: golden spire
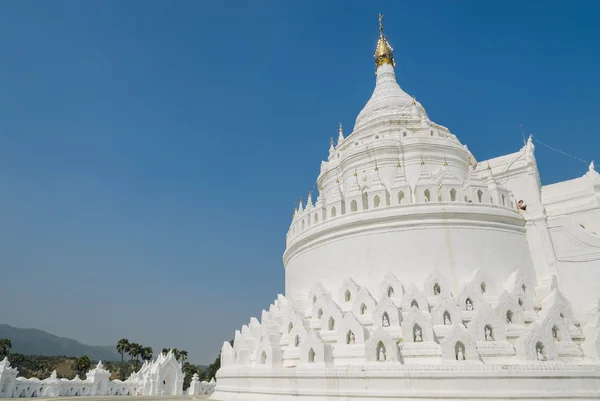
x=384 y=52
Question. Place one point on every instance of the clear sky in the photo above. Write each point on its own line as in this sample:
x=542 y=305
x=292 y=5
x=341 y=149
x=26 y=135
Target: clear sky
x=151 y=152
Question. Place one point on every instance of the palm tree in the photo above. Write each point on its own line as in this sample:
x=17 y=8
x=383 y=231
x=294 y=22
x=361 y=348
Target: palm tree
x=165 y=351
x=83 y=364
x=123 y=347
x=134 y=351
x=5 y=346
x=183 y=354
x=147 y=353
x=175 y=353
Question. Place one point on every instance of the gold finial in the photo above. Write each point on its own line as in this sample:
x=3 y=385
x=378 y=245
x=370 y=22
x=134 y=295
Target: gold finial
x=340 y=129
x=384 y=52
x=445 y=161
x=399 y=163
x=414 y=101
x=355 y=173
x=422 y=161
x=488 y=167
x=376 y=167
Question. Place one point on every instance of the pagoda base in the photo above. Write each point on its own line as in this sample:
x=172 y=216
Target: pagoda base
x=392 y=380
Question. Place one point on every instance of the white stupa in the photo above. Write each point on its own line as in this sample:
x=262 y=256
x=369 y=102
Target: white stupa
x=417 y=274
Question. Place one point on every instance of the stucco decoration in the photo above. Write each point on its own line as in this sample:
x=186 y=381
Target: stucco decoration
x=268 y=355
x=446 y=312
x=436 y=285
x=332 y=316
x=426 y=189
x=508 y=308
x=386 y=314
x=486 y=325
x=469 y=301
x=381 y=347
x=227 y=354
x=450 y=186
x=392 y=288
x=315 y=351
x=520 y=279
x=483 y=282
x=536 y=344
x=363 y=305
x=459 y=346
x=414 y=299
x=347 y=293
x=416 y=327
x=350 y=331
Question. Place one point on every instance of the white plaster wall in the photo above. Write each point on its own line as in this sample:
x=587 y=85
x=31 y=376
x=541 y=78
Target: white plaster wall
x=590 y=219
x=578 y=256
x=581 y=283
x=455 y=242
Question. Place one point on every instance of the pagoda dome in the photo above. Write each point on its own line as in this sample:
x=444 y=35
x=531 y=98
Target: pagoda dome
x=388 y=101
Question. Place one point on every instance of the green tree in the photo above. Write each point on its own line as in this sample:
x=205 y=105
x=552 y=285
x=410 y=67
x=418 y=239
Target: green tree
x=123 y=347
x=147 y=353
x=189 y=370
x=134 y=351
x=5 y=346
x=165 y=351
x=82 y=364
x=183 y=355
x=212 y=369
x=176 y=353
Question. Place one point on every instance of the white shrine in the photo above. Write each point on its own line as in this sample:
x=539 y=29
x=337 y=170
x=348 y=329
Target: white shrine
x=417 y=274
x=161 y=377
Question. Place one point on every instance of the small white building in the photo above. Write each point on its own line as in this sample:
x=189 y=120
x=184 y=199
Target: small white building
x=161 y=377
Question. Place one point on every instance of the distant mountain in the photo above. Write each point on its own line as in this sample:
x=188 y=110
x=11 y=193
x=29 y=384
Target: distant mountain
x=38 y=342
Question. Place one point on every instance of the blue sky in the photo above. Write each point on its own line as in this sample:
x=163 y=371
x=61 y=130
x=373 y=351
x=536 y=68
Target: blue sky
x=151 y=152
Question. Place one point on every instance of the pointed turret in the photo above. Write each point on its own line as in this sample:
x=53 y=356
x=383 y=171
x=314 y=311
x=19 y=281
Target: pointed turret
x=592 y=166
x=415 y=110
x=309 y=203
x=340 y=134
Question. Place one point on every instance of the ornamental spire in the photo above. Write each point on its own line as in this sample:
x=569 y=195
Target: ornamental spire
x=384 y=52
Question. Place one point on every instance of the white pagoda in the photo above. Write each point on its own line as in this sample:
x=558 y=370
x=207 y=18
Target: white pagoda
x=422 y=273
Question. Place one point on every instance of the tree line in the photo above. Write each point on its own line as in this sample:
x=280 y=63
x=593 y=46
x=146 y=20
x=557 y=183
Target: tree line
x=38 y=366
